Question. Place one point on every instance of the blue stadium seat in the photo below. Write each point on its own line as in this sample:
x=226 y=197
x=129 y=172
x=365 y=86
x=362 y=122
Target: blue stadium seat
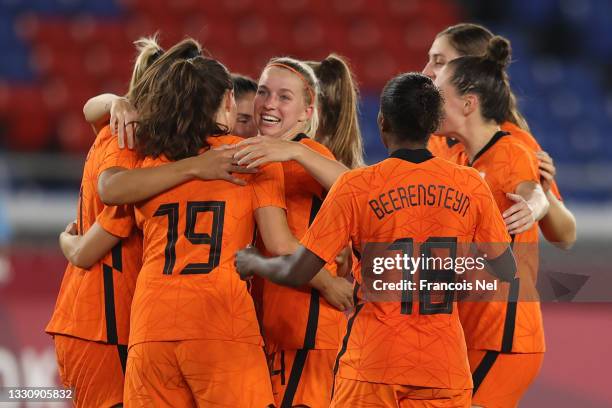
x=62 y=7
x=15 y=55
x=533 y=12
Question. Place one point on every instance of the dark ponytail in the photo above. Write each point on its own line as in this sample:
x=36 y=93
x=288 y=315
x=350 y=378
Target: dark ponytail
x=499 y=51
x=411 y=106
x=486 y=77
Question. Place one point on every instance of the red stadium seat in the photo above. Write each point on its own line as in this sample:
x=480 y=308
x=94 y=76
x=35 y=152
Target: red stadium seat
x=53 y=32
x=75 y=135
x=364 y=34
x=307 y=34
x=28 y=123
x=55 y=96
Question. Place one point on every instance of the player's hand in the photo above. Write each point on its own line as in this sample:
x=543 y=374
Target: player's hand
x=71 y=228
x=68 y=234
x=547 y=168
x=519 y=217
x=218 y=164
x=244 y=262
x=259 y=150
x=338 y=293
x=123 y=120
x=344 y=262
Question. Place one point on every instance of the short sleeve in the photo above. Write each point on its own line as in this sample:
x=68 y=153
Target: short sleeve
x=113 y=156
x=490 y=229
x=117 y=220
x=331 y=228
x=523 y=167
x=269 y=187
x=318 y=147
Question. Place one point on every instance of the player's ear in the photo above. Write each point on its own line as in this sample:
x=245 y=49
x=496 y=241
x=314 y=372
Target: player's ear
x=307 y=114
x=382 y=127
x=230 y=101
x=382 y=124
x=470 y=104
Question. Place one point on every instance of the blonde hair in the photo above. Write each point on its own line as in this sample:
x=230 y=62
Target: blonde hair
x=339 y=128
x=148 y=52
x=311 y=88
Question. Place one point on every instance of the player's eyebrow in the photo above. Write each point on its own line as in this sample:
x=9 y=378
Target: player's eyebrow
x=265 y=88
x=286 y=90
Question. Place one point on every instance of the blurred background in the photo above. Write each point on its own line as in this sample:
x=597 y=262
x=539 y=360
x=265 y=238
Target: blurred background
x=55 y=54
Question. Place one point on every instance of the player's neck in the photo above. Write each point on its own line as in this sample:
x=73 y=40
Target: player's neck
x=478 y=138
x=393 y=145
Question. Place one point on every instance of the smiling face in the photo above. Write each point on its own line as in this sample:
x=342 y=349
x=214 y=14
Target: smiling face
x=280 y=106
x=440 y=53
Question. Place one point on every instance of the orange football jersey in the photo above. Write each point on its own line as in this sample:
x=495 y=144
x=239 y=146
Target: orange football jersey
x=531 y=142
x=517 y=327
x=443 y=147
x=188 y=287
x=447 y=148
x=300 y=318
x=94 y=304
x=411 y=197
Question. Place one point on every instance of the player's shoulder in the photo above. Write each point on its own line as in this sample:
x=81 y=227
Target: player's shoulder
x=456 y=164
x=314 y=145
x=105 y=132
x=458 y=173
x=105 y=137
x=106 y=147
x=520 y=134
x=355 y=177
x=149 y=161
x=221 y=140
x=513 y=147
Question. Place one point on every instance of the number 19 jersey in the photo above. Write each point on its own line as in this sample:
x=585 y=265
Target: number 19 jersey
x=188 y=287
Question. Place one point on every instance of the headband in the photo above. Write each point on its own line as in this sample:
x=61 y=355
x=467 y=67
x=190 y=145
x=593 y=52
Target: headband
x=296 y=72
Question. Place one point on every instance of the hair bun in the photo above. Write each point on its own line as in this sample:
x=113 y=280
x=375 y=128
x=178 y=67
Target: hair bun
x=499 y=51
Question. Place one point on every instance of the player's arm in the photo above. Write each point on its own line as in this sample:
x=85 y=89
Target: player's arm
x=278 y=240
x=260 y=150
x=297 y=269
x=491 y=236
x=274 y=231
x=558 y=225
x=503 y=266
x=118 y=185
x=85 y=250
x=291 y=270
x=323 y=169
x=115 y=110
x=97 y=110
x=531 y=205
